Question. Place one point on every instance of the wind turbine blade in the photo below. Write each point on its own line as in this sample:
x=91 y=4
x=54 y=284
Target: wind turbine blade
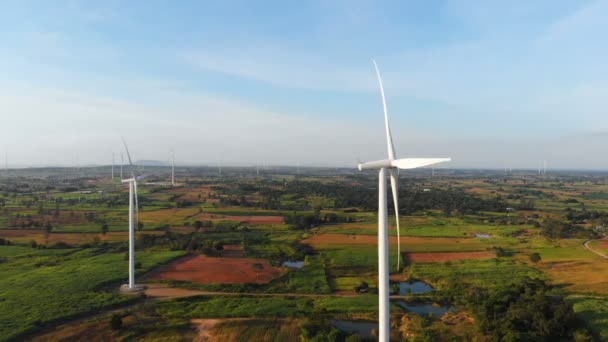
x=413 y=163
x=395 y=190
x=129 y=157
x=389 y=137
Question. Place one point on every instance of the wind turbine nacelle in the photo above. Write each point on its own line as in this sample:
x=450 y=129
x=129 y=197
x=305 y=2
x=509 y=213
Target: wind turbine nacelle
x=404 y=164
x=375 y=165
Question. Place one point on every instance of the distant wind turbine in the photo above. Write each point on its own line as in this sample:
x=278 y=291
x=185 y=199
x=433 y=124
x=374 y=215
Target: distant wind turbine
x=112 y=166
x=172 y=167
x=392 y=164
x=133 y=220
x=122 y=162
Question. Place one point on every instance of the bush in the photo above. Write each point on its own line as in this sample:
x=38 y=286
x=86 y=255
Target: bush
x=535 y=257
x=116 y=322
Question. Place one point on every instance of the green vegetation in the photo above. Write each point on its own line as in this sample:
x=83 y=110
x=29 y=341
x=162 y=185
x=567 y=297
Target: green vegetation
x=594 y=311
x=42 y=286
x=479 y=273
x=62 y=253
x=247 y=306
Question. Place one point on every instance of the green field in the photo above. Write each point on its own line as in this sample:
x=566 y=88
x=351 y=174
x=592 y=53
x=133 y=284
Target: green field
x=42 y=286
x=327 y=220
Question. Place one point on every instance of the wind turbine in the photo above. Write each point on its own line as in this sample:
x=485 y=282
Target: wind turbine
x=172 y=167
x=122 y=162
x=392 y=165
x=133 y=220
x=112 y=166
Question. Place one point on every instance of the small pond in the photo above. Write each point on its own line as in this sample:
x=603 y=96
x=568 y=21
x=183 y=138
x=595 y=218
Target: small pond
x=416 y=287
x=424 y=309
x=363 y=328
x=483 y=236
x=294 y=264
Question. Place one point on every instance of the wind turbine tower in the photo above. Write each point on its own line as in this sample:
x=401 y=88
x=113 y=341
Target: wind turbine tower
x=112 y=166
x=122 y=162
x=172 y=168
x=133 y=220
x=391 y=165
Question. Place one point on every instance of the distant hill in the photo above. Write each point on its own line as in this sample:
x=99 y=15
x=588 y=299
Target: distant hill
x=151 y=163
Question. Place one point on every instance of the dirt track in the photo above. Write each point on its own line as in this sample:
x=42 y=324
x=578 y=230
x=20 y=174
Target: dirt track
x=586 y=244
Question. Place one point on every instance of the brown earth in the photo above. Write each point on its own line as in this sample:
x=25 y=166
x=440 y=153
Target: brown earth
x=450 y=256
x=210 y=270
x=233 y=251
x=204 y=327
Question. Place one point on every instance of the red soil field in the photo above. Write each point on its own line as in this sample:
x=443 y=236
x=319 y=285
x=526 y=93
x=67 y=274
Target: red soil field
x=233 y=251
x=208 y=270
x=601 y=244
x=450 y=256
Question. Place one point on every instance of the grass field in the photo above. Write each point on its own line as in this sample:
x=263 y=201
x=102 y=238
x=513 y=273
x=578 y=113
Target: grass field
x=41 y=286
x=221 y=307
x=480 y=273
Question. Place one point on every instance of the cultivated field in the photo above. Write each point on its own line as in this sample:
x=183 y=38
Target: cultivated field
x=283 y=257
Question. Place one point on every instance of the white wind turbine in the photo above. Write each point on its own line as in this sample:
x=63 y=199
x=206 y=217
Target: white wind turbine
x=172 y=167
x=392 y=164
x=133 y=220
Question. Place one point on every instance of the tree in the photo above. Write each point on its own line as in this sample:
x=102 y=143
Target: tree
x=535 y=257
x=198 y=225
x=47 y=231
x=140 y=226
x=104 y=229
x=116 y=322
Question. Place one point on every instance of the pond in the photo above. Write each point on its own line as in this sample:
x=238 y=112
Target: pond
x=416 y=287
x=483 y=236
x=363 y=328
x=294 y=264
x=424 y=309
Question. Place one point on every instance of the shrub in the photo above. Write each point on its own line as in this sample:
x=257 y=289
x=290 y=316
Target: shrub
x=116 y=322
x=535 y=257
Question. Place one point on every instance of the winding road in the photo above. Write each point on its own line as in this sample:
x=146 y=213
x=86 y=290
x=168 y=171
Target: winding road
x=586 y=244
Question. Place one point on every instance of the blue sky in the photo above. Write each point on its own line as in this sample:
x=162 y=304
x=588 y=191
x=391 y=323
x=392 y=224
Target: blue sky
x=489 y=83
